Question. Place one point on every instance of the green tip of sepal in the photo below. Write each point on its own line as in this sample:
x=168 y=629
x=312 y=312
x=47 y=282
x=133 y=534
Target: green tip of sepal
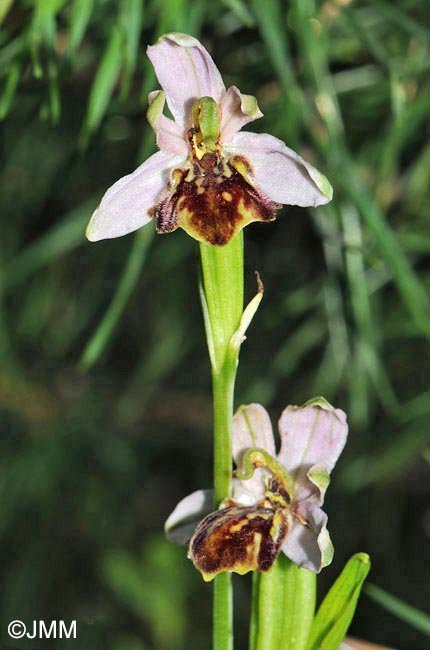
x=89 y=231
x=155 y=108
x=319 y=401
x=327 y=548
x=249 y=106
x=322 y=183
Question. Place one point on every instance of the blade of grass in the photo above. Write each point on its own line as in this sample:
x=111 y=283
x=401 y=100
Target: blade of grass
x=104 y=332
x=12 y=80
x=5 y=5
x=131 y=20
x=103 y=86
x=367 y=345
x=405 y=612
x=80 y=15
x=63 y=237
x=391 y=462
x=314 y=52
x=273 y=28
x=239 y=9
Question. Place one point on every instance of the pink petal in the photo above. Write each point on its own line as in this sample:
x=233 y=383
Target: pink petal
x=186 y=72
x=180 y=524
x=236 y=111
x=252 y=428
x=125 y=205
x=280 y=172
x=309 y=546
x=170 y=136
x=311 y=435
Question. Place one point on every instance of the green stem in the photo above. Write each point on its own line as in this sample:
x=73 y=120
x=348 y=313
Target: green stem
x=222 y=301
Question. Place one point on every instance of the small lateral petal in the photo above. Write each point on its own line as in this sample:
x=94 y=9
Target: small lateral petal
x=186 y=72
x=283 y=175
x=181 y=523
x=320 y=477
x=170 y=136
x=309 y=546
x=313 y=434
x=125 y=206
x=236 y=111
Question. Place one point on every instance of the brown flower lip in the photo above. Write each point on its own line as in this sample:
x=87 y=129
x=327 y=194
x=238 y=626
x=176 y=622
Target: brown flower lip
x=212 y=200
x=239 y=539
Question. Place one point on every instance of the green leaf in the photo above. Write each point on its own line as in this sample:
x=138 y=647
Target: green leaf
x=130 y=276
x=417 y=619
x=131 y=19
x=80 y=15
x=104 y=84
x=5 y=5
x=66 y=235
x=239 y=9
x=337 y=609
x=9 y=91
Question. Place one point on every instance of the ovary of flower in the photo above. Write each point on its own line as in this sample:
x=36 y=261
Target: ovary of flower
x=208 y=179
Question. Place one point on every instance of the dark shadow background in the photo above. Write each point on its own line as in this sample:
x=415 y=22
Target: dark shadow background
x=95 y=454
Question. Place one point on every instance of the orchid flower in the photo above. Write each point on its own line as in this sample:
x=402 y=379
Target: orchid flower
x=277 y=498
x=207 y=178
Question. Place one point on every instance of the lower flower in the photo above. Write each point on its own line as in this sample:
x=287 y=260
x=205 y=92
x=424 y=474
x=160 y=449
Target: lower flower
x=276 y=499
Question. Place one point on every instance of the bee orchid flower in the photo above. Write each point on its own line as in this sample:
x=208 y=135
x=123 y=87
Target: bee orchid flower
x=208 y=178
x=277 y=497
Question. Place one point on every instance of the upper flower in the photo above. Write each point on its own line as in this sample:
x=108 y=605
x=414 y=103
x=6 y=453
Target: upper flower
x=207 y=178
x=277 y=498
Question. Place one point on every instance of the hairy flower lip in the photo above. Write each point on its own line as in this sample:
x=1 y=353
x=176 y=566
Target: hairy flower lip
x=275 y=173
x=312 y=438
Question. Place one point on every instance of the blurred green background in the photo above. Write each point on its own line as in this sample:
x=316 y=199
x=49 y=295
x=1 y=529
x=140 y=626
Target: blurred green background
x=104 y=379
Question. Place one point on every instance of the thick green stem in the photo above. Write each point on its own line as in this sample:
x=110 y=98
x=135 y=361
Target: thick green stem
x=299 y=604
x=270 y=609
x=222 y=301
x=283 y=607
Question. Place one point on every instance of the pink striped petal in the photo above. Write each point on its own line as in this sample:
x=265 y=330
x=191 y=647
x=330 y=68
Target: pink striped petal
x=252 y=428
x=186 y=72
x=124 y=208
x=279 y=171
x=312 y=439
